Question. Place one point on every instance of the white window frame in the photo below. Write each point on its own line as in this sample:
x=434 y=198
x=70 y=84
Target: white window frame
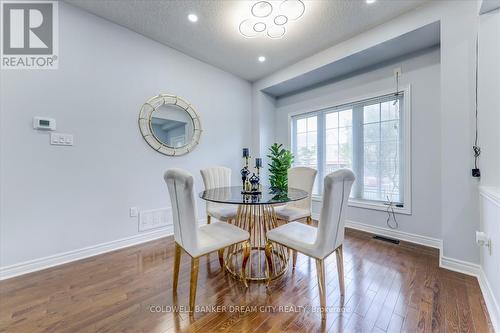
x=360 y=203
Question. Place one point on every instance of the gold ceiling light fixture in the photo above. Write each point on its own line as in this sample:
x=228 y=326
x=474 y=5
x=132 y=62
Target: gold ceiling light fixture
x=270 y=18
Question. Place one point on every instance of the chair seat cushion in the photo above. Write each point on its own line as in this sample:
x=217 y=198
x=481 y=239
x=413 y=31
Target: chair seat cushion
x=288 y=213
x=297 y=236
x=217 y=235
x=222 y=212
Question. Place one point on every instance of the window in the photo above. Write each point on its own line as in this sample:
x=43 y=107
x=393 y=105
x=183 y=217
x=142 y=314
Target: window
x=306 y=152
x=367 y=136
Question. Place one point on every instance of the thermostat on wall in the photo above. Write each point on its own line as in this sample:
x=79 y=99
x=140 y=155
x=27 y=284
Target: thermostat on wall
x=43 y=123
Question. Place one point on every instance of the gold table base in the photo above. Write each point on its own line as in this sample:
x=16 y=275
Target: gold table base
x=257 y=220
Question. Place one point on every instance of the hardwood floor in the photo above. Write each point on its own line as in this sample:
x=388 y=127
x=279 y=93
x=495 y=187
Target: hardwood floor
x=389 y=288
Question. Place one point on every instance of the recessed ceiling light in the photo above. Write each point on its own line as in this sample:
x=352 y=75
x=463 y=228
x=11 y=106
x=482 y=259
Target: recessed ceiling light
x=370 y=1
x=193 y=18
x=261 y=59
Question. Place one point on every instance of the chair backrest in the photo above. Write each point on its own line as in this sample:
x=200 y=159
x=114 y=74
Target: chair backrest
x=303 y=179
x=337 y=188
x=217 y=176
x=181 y=189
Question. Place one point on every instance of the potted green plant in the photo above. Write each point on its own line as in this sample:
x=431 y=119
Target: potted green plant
x=281 y=160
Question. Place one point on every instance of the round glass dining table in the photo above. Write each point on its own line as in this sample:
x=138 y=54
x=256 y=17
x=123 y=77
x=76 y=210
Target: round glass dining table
x=256 y=215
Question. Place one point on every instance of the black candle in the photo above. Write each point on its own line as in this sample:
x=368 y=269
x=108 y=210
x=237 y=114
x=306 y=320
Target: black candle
x=246 y=152
x=258 y=162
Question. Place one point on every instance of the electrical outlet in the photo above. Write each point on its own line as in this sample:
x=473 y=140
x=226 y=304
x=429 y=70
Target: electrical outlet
x=134 y=212
x=476 y=173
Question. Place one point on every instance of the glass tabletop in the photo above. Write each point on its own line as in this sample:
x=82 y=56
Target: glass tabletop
x=233 y=195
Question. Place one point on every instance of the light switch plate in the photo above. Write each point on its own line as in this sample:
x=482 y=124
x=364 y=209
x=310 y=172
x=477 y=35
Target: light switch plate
x=61 y=139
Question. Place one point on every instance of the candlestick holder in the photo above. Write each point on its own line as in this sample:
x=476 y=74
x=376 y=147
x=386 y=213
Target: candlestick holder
x=245 y=173
x=251 y=185
x=254 y=182
x=259 y=185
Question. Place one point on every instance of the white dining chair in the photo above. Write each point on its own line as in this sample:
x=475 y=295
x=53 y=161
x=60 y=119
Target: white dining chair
x=198 y=240
x=214 y=177
x=322 y=241
x=301 y=178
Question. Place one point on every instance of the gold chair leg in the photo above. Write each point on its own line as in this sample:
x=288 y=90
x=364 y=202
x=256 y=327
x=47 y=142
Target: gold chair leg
x=221 y=258
x=177 y=263
x=294 y=253
x=309 y=220
x=340 y=268
x=209 y=218
x=246 y=256
x=194 y=281
x=320 y=272
x=269 y=253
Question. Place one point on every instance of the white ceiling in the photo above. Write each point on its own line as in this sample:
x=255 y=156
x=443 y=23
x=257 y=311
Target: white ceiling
x=215 y=38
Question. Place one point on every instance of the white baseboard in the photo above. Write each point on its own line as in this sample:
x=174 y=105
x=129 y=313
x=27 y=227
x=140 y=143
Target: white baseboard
x=66 y=257
x=460 y=266
x=34 y=265
x=489 y=298
x=396 y=234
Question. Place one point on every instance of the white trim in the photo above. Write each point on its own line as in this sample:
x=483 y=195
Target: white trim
x=489 y=298
x=491 y=193
x=459 y=266
x=396 y=234
x=315 y=107
x=7 y=272
x=367 y=204
x=34 y=265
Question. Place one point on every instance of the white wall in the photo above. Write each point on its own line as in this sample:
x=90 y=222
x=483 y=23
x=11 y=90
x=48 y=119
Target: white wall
x=263 y=136
x=459 y=191
x=55 y=199
x=489 y=103
x=422 y=73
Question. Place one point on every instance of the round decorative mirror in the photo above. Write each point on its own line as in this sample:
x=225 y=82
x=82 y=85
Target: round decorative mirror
x=170 y=125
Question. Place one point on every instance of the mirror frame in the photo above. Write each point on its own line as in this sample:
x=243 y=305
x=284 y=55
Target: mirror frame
x=146 y=129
